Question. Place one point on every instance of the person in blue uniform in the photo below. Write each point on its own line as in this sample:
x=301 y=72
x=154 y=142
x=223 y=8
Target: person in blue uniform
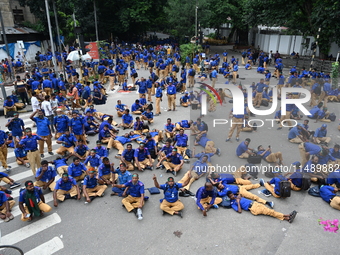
x=91 y=187
x=66 y=188
x=206 y=198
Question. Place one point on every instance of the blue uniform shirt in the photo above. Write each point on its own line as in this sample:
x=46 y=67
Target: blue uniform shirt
x=76 y=125
x=171 y=193
x=123 y=177
x=95 y=161
x=20 y=152
x=48 y=175
x=181 y=140
x=30 y=143
x=102 y=151
x=37 y=192
x=136 y=190
x=90 y=182
x=128 y=155
x=42 y=126
x=140 y=154
x=320 y=133
x=244 y=204
x=68 y=141
x=241 y=148
x=175 y=159
x=76 y=170
x=81 y=150
x=60 y=184
x=203 y=193
x=61 y=122
x=326 y=193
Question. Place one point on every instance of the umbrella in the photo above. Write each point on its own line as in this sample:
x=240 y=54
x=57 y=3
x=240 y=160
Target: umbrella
x=74 y=56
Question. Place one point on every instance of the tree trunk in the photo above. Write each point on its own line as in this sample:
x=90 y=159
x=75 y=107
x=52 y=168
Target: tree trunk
x=243 y=36
x=230 y=36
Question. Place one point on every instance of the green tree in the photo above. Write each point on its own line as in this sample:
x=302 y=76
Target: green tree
x=306 y=16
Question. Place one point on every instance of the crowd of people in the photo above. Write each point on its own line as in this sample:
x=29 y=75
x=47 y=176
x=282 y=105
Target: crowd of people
x=63 y=109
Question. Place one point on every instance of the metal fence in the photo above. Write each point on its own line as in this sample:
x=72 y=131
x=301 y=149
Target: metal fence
x=318 y=64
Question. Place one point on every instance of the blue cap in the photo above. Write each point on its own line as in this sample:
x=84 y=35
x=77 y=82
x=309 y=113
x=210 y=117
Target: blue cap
x=296 y=163
x=276 y=170
x=324 y=125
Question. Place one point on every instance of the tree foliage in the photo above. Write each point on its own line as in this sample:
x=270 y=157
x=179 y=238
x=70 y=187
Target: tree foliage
x=306 y=16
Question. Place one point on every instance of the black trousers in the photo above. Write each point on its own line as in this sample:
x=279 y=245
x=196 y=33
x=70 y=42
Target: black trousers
x=24 y=97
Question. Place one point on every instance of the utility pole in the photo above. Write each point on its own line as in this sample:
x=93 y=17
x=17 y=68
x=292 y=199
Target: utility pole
x=314 y=50
x=196 y=7
x=95 y=19
x=50 y=32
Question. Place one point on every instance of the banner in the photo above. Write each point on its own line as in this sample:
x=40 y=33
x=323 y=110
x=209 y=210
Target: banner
x=93 y=47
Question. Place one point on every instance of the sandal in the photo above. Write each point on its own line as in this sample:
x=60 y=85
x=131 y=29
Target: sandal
x=292 y=216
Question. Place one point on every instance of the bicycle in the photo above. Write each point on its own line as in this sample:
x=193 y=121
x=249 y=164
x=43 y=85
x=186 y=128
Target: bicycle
x=10 y=250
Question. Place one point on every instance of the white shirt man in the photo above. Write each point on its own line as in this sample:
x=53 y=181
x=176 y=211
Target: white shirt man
x=35 y=103
x=46 y=106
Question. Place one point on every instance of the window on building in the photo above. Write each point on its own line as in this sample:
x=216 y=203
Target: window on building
x=18 y=16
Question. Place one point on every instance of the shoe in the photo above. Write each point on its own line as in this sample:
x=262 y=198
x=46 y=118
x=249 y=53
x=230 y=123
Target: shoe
x=51 y=153
x=8 y=170
x=271 y=204
x=11 y=217
x=174 y=173
x=6 y=219
x=163 y=213
x=261 y=182
x=186 y=161
x=118 y=156
x=9 y=192
x=279 y=128
x=266 y=193
x=215 y=206
x=218 y=152
x=163 y=167
x=182 y=194
x=168 y=171
x=9 y=167
x=237 y=139
x=139 y=214
x=158 y=167
x=227 y=140
x=292 y=216
x=14 y=185
x=148 y=168
x=42 y=155
x=180 y=214
x=190 y=193
x=134 y=210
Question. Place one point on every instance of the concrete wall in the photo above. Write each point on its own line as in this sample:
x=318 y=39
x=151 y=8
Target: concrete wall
x=286 y=44
x=8 y=6
x=6 y=12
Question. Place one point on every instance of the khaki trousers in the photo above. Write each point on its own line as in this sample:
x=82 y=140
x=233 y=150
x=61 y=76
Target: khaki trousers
x=34 y=160
x=258 y=209
x=61 y=193
x=42 y=206
x=171 y=208
x=131 y=202
x=48 y=142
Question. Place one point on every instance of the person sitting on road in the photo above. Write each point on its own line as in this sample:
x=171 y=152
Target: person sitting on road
x=240 y=203
x=206 y=197
x=32 y=202
x=65 y=188
x=269 y=156
x=91 y=187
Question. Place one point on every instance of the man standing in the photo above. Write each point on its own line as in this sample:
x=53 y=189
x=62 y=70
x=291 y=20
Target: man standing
x=159 y=95
x=135 y=199
x=43 y=130
x=65 y=188
x=259 y=90
x=213 y=77
x=171 y=92
x=181 y=140
x=46 y=106
x=76 y=125
x=16 y=125
x=32 y=202
x=170 y=203
x=30 y=144
x=3 y=150
x=60 y=123
x=206 y=198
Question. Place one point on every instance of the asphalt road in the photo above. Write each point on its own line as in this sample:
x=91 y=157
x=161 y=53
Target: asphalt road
x=104 y=227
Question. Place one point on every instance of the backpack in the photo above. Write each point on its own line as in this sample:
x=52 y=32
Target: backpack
x=306 y=182
x=284 y=188
x=150 y=107
x=100 y=71
x=332 y=117
x=155 y=78
x=192 y=72
x=264 y=103
x=317 y=90
x=177 y=69
x=314 y=191
x=205 y=126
